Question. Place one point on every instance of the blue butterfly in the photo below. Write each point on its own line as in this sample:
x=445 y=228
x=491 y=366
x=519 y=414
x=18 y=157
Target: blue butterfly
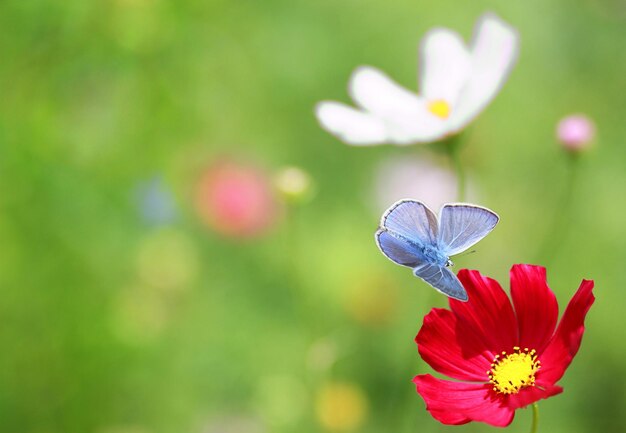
x=410 y=235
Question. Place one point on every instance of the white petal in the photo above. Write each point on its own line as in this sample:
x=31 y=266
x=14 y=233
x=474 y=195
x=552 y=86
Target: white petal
x=377 y=93
x=403 y=112
x=445 y=65
x=350 y=125
x=423 y=129
x=494 y=52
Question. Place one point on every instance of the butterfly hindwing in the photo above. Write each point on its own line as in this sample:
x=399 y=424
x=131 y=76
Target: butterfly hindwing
x=398 y=250
x=442 y=279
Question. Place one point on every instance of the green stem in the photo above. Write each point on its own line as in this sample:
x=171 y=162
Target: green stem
x=292 y=249
x=460 y=176
x=533 y=427
x=562 y=217
x=454 y=151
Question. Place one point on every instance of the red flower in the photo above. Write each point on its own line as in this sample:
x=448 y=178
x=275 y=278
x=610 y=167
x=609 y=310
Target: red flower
x=507 y=358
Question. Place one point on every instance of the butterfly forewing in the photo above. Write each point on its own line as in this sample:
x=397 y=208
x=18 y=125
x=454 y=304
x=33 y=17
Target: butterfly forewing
x=412 y=221
x=461 y=226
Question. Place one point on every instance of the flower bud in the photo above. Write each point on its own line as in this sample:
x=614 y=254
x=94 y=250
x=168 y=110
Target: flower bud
x=575 y=132
x=294 y=184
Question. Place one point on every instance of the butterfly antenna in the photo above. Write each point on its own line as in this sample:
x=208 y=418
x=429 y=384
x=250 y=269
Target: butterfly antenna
x=466 y=253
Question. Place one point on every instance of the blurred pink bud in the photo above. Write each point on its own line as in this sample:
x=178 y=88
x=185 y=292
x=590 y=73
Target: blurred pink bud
x=575 y=132
x=236 y=200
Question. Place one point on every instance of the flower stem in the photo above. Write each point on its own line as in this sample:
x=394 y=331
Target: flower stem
x=533 y=427
x=454 y=151
x=562 y=216
x=460 y=177
x=291 y=274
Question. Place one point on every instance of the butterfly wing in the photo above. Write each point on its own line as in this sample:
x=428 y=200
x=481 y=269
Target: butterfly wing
x=405 y=228
x=463 y=225
x=442 y=279
x=411 y=221
x=398 y=250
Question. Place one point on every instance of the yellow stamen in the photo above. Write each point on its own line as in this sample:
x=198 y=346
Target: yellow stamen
x=439 y=108
x=510 y=373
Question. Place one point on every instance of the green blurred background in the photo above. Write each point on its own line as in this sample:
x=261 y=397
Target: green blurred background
x=110 y=323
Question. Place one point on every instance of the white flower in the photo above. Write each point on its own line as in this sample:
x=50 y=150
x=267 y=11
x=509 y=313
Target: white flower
x=456 y=84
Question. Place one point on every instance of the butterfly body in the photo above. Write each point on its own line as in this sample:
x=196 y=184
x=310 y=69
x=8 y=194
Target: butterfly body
x=425 y=251
x=411 y=235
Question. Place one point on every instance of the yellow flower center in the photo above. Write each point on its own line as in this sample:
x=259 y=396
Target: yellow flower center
x=510 y=373
x=439 y=108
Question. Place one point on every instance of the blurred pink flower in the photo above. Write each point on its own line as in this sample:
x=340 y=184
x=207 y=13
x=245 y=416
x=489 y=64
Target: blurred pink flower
x=236 y=200
x=575 y=132
x=423 y=179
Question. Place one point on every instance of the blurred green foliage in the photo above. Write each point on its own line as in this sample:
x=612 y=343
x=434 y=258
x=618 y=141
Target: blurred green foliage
x=109 y=324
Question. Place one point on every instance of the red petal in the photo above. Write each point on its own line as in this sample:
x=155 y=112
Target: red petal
x=488 y=312
x=458 y=403
x=566 y=341
x=451 y=349
x=535 y=305
x=532 y=394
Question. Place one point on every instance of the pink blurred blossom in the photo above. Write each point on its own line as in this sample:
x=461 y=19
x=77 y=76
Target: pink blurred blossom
x=426 y=179
x=236 y=200
x=575 y=132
